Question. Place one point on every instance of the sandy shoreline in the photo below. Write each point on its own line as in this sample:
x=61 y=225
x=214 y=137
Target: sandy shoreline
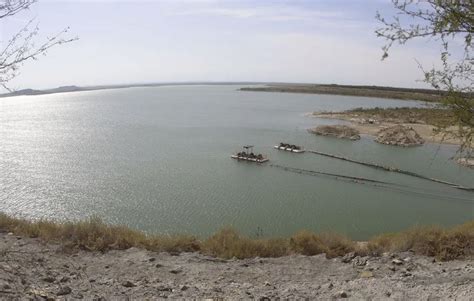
x=426 y=131
x=34 y=270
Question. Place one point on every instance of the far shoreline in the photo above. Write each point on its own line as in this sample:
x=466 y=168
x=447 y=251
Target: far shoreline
x=415 y=94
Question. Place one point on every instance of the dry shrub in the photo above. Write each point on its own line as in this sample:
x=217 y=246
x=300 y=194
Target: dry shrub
x=307 y=243
x=336 y=244
x=379 y=244
x=172 y=244
x=228 y=243
x=457 y=242
x=95 y=235
x=433 y=241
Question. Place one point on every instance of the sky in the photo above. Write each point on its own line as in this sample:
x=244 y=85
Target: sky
x=122 y=42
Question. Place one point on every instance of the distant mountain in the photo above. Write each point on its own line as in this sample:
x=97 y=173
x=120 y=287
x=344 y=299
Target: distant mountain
x=64 y=89
x=40 y=92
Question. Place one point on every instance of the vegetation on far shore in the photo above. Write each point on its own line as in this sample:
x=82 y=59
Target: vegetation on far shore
x=429 y=95
x=95 y=235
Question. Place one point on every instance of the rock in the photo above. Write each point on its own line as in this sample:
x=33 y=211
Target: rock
x=366 y=274
x=64 y=279
x=397 y=261
x=466 y=161
x=348 y=257
x=329 y=286
x=359 y=261
x=399 y=135
x=128 y=283
x=49 y=279
x=176 y=271
x=405 y=274
x=6 y=286
x=152 y=259
x=338 y=131
x=341 y=294
x=64 y=290
x=39 y=293
x=184 y=288
x=163 y=288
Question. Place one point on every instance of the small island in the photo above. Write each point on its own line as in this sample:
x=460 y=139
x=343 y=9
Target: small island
x=338 y=131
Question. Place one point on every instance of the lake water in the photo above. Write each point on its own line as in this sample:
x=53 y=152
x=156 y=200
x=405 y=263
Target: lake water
x=158 y=159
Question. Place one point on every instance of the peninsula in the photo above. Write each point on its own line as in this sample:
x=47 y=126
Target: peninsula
x=348 y=90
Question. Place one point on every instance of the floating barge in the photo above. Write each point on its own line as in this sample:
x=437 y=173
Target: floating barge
x=289 y=148
x=248 y=155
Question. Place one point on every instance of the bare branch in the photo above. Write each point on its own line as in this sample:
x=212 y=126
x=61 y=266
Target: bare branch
x=21 y=47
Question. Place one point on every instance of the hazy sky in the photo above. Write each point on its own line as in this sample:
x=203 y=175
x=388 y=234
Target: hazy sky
x=316 y=41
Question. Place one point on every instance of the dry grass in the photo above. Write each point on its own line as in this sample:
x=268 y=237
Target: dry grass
x=94 y=235
x=228 y=243
x=444 y=244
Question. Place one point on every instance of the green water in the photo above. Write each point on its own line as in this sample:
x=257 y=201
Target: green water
x=158 y=159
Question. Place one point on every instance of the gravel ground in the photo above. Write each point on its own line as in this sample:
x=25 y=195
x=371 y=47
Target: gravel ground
x=32 y=270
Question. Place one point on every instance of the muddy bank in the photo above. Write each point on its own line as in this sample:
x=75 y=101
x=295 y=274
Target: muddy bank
x=399 y=135
x=372 y=127
x=30 y=269
x=338 y=131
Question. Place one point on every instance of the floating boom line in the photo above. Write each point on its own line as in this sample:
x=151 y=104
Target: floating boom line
x=362 y=180
x=315 y=172
x=392 y=169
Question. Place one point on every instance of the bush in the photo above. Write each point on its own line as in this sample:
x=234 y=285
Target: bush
x=95 y=235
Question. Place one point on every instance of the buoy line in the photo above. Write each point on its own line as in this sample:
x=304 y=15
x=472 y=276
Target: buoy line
x=362 y=180
x=392 y=169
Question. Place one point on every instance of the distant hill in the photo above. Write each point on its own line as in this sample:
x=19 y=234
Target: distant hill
x=367 y=91
x=64 y=89
x=40 y=92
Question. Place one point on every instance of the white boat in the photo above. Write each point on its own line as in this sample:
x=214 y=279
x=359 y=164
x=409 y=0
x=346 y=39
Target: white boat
x=289 y=149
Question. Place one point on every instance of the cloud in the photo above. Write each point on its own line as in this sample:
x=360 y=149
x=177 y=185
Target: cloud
x=267 y=12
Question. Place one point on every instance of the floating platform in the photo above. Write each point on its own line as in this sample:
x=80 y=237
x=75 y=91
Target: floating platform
x=248 y=155
x=289 y=149
x=249 y=159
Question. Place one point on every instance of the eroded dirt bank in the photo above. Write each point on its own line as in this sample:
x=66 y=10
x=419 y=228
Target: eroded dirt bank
x=426 y=131
x=32 y=270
